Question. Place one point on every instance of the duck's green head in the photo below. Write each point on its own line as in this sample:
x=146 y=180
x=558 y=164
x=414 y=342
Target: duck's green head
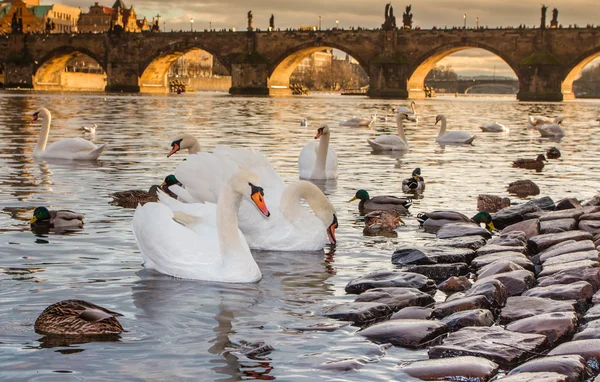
x=486 y=218
x=41 y=214
x=363 y=195
x=169 y=180
x=416 y=173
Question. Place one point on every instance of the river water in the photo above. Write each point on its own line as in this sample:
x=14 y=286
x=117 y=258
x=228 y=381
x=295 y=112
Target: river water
x=189 y=329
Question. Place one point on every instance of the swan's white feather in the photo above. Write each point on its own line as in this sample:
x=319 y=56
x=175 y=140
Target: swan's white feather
x=308 y=159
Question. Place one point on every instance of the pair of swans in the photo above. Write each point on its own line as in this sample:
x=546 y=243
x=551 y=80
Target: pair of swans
x=552 y=130
x=291 y=226
x=201 y=241
x=66 y=148
x=317 y=160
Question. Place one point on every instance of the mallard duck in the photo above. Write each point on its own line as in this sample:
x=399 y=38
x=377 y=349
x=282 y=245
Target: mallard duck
x=381 y=222
x=553 y=153
x=531 y=164
x=433 y=221
x=491 y=203
x=184 y=141
x=44 y=218
x=131 y=198
x=414 y=184
x=523 y=188
x=383 y=203
x=77 y=317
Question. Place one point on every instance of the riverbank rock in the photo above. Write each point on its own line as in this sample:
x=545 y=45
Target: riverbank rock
x=405 y=333
x=359 y=313
x=557 y=225
x=444 y=309
x=540 y=242
x=493 y=290
x=501 y=346
x=454 y=230
x=552 y=269
x=588 y=349
x=516 y=257
x=497 y=267
x=555 y=326
x=519 y=307
x=571 y=257
x=495 y=248
x=465 y=368
x=567 y=203
x=591 y=226
x=581 y=291
x=413 y=313
x=529 y=227
x=573 y=366
x=515 y=282
x=568 y=246
x=563 y=214
x=439 y=272
x=514 y=239
x=454 y=284
x=396 y=298
x=546 y=376
x=433 y=255
x=475 y=317
x=568 y=276
x=390 y=279
x=512 y=215
x=467 y=242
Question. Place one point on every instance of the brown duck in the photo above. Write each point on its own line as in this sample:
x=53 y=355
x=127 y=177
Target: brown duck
x=381 y=222
x=77 y=317
x=553 y=153
x=131 y=198
x=531 y=164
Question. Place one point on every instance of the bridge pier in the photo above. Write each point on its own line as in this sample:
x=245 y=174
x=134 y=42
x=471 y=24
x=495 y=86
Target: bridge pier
x=18 y=75
x=122 y=77
x=540 y=79
x=249 y=79
x=388 y=78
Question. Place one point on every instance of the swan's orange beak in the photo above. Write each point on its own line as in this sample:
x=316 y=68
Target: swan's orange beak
x=319 y=133
x=331 y=230
x=258 y=198
x=35 y=118
x=173 y=150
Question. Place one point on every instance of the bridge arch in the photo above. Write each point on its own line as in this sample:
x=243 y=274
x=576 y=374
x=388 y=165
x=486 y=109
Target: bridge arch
x=428 y=61
x=49 y=72
x=574 y=68
x=154 y=72
x=282 y=68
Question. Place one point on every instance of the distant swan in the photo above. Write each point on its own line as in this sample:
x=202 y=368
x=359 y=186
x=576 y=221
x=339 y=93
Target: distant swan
x=317 y=160
x=552 y=130
x=89 y=129
x=66 y=148
x=494 y=128
x=396 y=142
x=411 y=114
x=536 y=121
x=451 y=136
x=358 y=122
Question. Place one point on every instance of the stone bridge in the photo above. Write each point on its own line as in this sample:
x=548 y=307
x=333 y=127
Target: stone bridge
x=462 y=86
x=545 y=61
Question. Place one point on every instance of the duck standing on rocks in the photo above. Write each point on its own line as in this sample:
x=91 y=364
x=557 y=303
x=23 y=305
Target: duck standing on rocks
x=381 y=223
x=45 y=218
x=414 y=184
x=131 y=198
x=77 y=317
x=531 y=164
x=433 y=221
x=553 y=153
x=523 y=188
x=382 y=203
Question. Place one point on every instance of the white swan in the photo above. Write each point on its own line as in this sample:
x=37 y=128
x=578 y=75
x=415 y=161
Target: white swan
x=411 y=114
x=184 y=141
x=552 y=130
x=291 y=227
x=391 y=142
x=451 y=136
x=89 y=129
x=494 y=127
x=207 y=245
x=304 y=122
x=536 y=121
x=66 y=148
x=358 y=122
x=317 y=160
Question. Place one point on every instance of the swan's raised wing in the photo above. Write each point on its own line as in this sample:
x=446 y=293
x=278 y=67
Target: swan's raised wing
x=204 y=174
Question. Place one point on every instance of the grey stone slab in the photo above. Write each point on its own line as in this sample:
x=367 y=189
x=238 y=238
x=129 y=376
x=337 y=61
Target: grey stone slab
x=396 y=298
x=493 y=290
x=574 y=256
x=580 y=291
x=413 y=313
x=405 y=333
x=454 y=284
x=515 y=239
x=439 y=272
x=475 y=317
x=562 y=214
x=453 y=230
x=568 y=276
x=466 y=303
x=498 y=266
x=542 y=376
x=530 y=228
x=519 y=307
x=515 y=282
x=555 y=326
x=515 y=257
x=358 y=312
x=557 y=226
x=495 y=248
x=592 y=314
x=464 y=368
x=431 y=255
x=588 y=349
x=552 y=269
x=390 y=279
x=511 y=215
x=572 y=366
x=591 y=226
x=540 y=242
x=568 y=246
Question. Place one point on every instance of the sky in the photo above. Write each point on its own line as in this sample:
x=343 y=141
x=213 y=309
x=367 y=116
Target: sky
x=365 y=13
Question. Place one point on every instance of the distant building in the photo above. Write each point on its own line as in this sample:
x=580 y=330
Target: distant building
x=317 y=59
x=101 y=19
x=23 y=10
x=62 y=17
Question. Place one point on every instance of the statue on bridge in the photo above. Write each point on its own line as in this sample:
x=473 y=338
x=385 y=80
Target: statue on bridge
x=272 y=22
x=390 y=19
x=543 y=22
x=16 y=25
x=554 y=22
x=407 y=18
x=50 y=26
x=250 y=28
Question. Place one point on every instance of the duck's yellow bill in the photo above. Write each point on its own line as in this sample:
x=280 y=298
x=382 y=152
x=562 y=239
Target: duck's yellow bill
x=351 y=200
x=32 y=220
x=490 y=226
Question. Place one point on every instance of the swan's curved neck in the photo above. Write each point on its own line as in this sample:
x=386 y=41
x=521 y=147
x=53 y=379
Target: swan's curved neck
x=442 y=127
x=321 y=162
x=195 y=148
x=227 y=226
x=292 y=195
x=43 y=139
x=412 y=108
x=400 y=127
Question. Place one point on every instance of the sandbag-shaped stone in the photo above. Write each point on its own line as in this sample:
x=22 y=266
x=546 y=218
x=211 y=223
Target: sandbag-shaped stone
x=466 y=368
x=572 y=366
x=557 y=226
x=454 y=284
x=452 y=230
x=580 y=291
x=540 y=242
x=591 y=226
x=396 y=298
x=466 y=303
x=552 y=269
x=434 y=255
x=545 y=376
x=344 y=364
x=568 y=276
x=512 y=215
x=515 y=282
x=592 y=314
x=573 y=256
x=475 y=317
x=495 y=248
x=514 y=239
x=519 y=307
x=593 y=201
x=497 y=267
x=515 y=257
x=493 y=290
x=405 y=333
x=568 y=246
x=358 y=312
x=590 y=216
x=588 y=349
x=545 y=203
x=494 y=343
x=412 y=313
x=439 y=272
x=589 y=333
x=390 y=279
x=469 y=242
x=555 y=326
x=562 y=214
x=529 y=227
x=567 y=204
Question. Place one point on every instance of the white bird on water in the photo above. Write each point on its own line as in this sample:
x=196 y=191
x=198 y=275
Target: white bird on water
x=89 y=129
x=304 y=122
x=494 y=128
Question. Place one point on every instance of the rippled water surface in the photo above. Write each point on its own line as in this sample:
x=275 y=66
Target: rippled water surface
x=186 y=329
